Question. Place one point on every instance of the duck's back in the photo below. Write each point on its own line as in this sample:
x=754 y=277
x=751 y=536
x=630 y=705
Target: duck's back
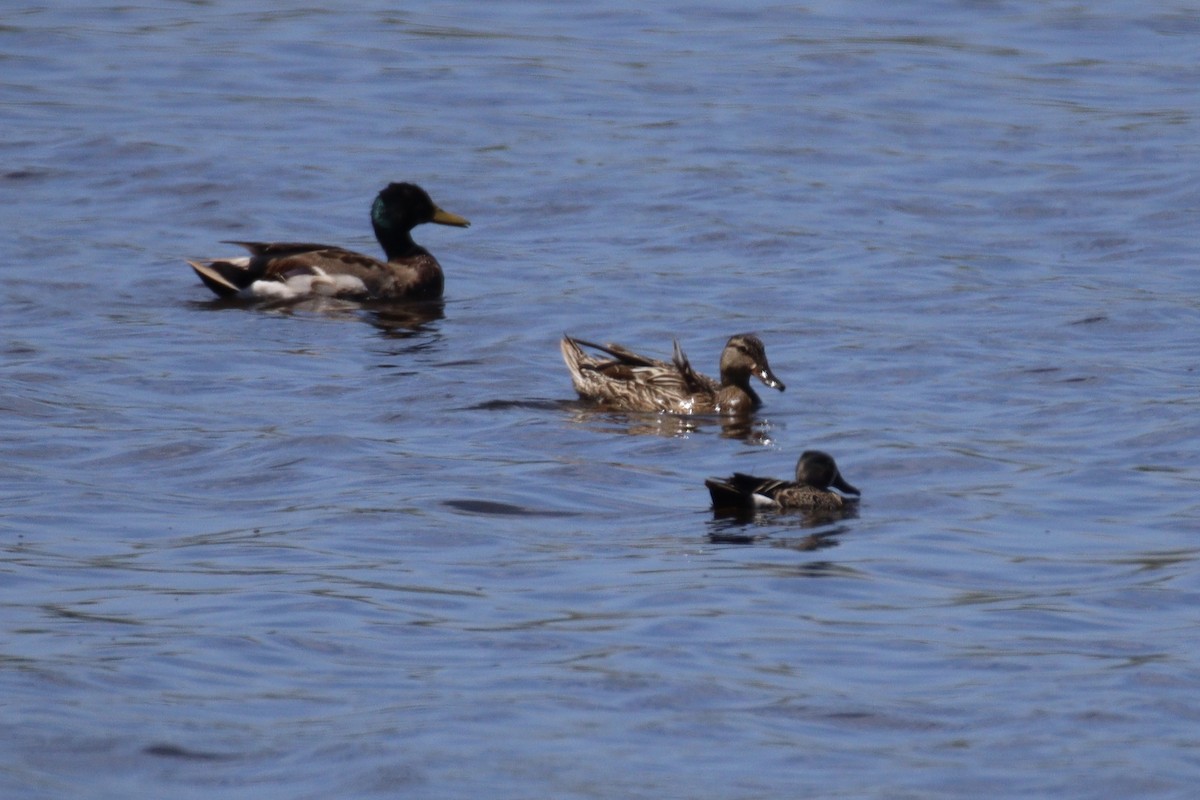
x=627 y=381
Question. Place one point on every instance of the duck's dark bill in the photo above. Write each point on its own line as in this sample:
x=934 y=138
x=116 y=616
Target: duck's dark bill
x=768 y=377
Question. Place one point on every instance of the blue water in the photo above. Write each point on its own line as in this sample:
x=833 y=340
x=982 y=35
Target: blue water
x=332 y=551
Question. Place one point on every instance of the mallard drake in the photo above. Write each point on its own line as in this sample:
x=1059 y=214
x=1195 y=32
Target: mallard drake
x=627 y=381
x=816 y=471
x=294 y=270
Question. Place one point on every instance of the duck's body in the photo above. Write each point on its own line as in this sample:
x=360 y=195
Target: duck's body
x=816 y=471
x=294 y=270
x=626 y=381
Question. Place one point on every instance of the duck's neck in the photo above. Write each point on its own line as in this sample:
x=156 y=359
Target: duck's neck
x=396 y=243
x=741 y=380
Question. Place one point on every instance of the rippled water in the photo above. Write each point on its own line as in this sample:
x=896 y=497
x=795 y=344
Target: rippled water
x=336 y=551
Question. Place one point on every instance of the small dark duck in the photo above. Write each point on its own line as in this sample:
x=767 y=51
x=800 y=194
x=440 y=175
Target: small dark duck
x=626 y=381
x=815 y=473
x=295 y=270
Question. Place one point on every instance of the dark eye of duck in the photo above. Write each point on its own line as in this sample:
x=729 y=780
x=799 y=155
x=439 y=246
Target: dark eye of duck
x=747 y=348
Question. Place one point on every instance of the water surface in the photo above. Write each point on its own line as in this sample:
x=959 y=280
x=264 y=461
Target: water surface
x=342 y=551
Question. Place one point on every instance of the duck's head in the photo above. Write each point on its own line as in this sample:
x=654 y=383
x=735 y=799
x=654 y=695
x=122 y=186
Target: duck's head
x=400 y=207
x=818 y=469
x=743 y=356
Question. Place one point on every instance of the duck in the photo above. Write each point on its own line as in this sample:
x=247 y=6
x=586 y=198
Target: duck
x=816 y=471
x=626 y=381
x=283 y=271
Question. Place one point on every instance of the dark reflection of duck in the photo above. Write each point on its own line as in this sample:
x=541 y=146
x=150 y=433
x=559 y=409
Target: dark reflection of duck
x=745 y=529
x=816 y=471
x=746 y=429
x=295 y=270
x=626 y=381
x=403 y=320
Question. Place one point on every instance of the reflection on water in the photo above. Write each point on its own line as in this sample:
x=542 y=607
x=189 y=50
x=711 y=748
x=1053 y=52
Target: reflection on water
x=808 y=518
x=403 y=320
x=813 y=541
x=739 y=526
x=391 y=318
x=745 y=429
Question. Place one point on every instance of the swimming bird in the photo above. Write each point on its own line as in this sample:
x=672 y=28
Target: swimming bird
x=816 y=471
x=294 y=270
x=626 y=381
